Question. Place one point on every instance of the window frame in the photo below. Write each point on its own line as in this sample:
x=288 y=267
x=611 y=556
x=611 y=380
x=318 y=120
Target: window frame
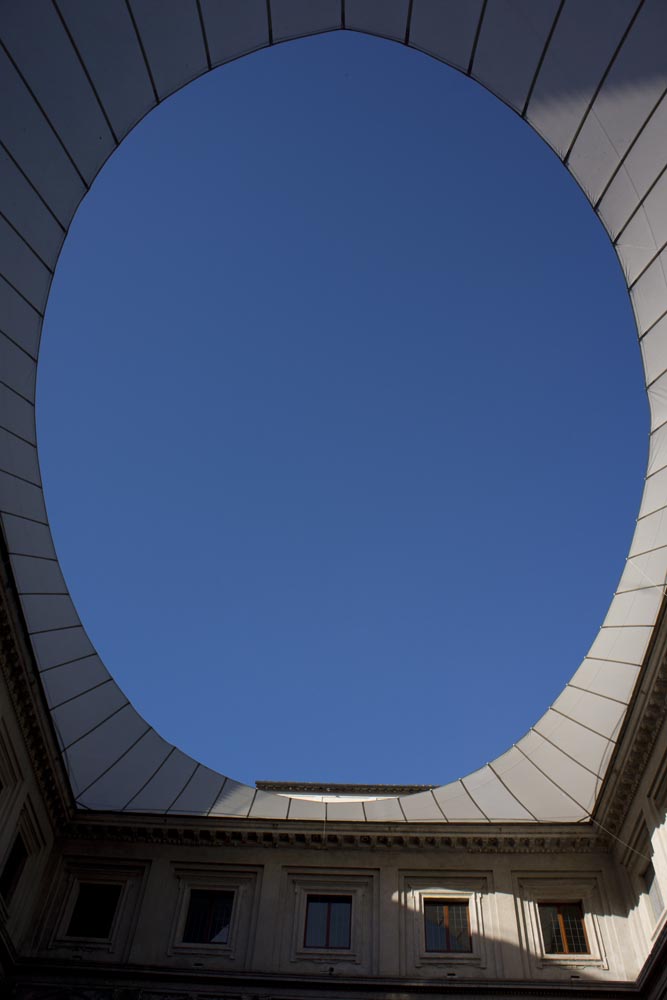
x=11 y=777
x=243 y=882
x=78 y=869
x=76 y=895
x=653 y=892
x=74 y=876
x=640 y=857
x=229 y=891
x=19 y=869
x=583 y=888
x=451 y=886
x=561 y=927
x=361 y=884
x=28 y=828
x=447 y=902
x=329 y=898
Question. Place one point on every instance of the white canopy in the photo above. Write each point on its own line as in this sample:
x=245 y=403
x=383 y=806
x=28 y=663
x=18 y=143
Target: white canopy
x=590 y=76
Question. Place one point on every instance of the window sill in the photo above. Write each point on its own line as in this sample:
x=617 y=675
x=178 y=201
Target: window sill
x=329 y=955
x=435 y=958
x=571 y=962
x=203 y=948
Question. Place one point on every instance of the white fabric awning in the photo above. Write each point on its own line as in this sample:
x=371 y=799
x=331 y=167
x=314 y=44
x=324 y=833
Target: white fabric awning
x=590 y=77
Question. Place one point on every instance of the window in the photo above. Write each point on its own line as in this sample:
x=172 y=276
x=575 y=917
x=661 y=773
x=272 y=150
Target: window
x=215 y=912
x=328 y=922
x=95 y=905
x=13 y=868
x=653 y=891
x=447 y=925
x=94 y=910
x=563 y=931
x=559 y=911
x=330 y=919
x=442 y=916
x=209 y=916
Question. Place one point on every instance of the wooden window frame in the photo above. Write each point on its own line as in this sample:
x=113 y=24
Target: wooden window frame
x=561 y=926
x=446 y=902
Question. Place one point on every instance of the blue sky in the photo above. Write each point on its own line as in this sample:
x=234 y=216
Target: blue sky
x=341 y=418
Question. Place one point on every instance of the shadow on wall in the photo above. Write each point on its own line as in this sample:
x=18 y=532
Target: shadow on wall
x=406 y=914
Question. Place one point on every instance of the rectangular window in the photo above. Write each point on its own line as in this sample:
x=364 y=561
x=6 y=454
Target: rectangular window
x=13 y=868
x=447 y=925
x=328 y=922
x=94 y=910
x=563 y=931
x=209 y=916
x=653 y=890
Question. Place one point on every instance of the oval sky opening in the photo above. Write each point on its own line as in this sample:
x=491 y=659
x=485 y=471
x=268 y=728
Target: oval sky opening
x=340 y=418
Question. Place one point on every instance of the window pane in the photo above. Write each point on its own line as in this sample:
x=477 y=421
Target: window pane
x=573 y=922
x=339 y=926
x=13 y=869
x=551 y=935
x=563 y=928
x=94 y=910
x=316 y=923
x=459 y=935
x=222 y=917
x=328 y=922
x=446 y=926
x=434 y=925
x=209 y=916
x=653 y=890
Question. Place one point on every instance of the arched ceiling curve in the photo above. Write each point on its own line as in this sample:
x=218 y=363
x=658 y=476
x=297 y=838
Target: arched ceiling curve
x=590 y=78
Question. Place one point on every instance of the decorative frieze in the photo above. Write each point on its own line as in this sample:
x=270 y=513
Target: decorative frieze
x=288 y=834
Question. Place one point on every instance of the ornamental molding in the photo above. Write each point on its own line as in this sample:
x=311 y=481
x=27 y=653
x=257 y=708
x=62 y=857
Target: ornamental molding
x=25 y=691
x=338 y=788
x=639 y=734
x=251 y=834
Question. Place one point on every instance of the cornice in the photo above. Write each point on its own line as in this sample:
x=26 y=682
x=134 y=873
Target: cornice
x=645 y=717
x=333 y=788
x=288 y=834
x=27 y=699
